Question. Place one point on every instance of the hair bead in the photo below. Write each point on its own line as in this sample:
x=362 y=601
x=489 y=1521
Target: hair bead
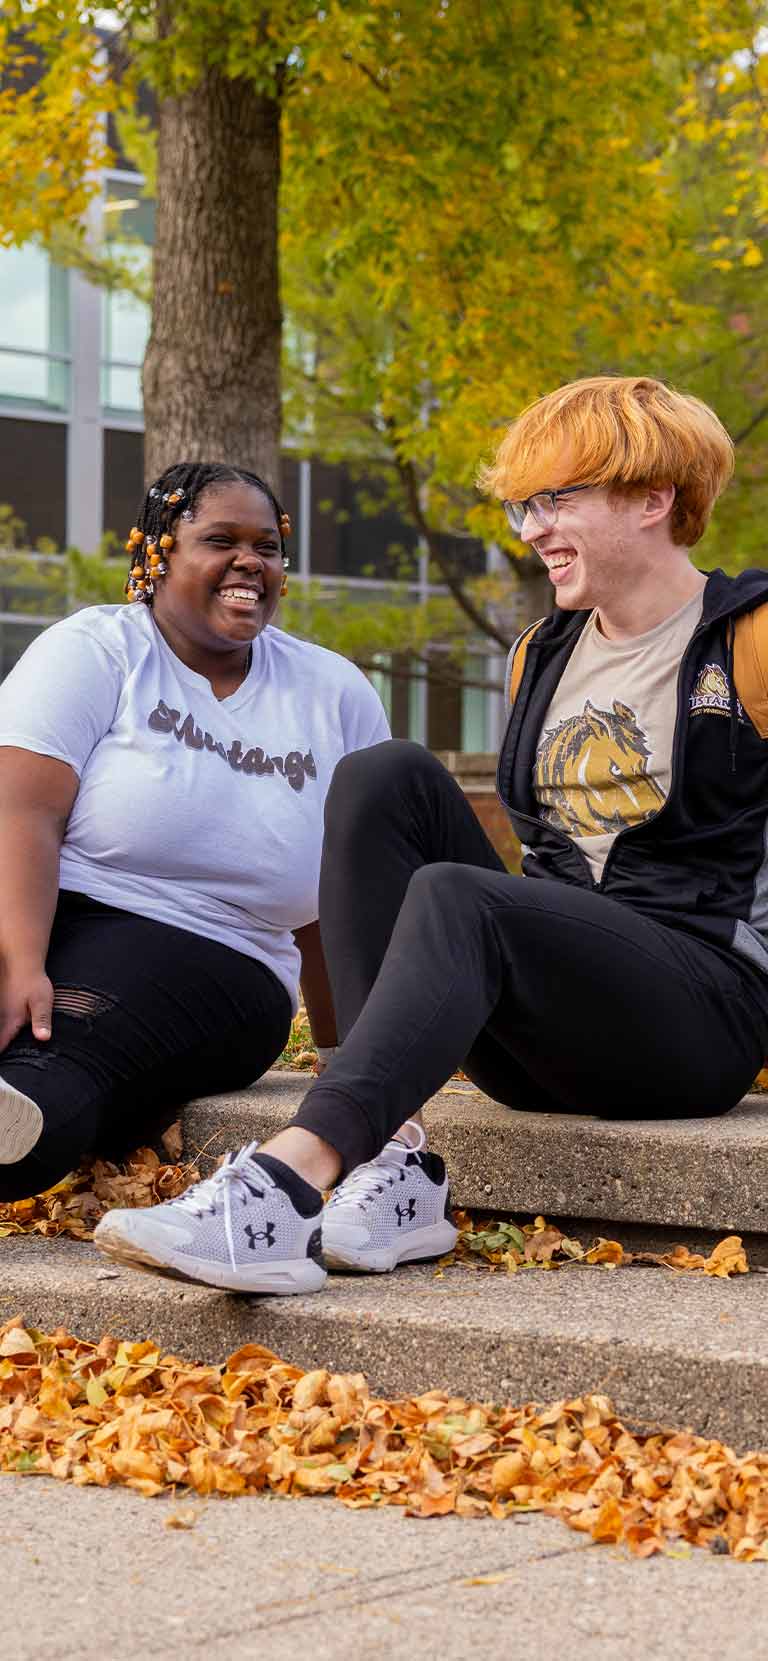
x=166 y=541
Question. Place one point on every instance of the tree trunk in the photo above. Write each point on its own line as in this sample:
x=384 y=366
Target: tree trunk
x=212 y=367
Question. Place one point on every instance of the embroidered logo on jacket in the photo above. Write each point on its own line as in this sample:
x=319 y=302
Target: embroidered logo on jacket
x=711 y=693
x=591 y=773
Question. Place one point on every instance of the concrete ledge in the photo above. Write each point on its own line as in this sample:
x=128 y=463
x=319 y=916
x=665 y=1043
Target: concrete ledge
x=684 y=1173
x=672 y=1349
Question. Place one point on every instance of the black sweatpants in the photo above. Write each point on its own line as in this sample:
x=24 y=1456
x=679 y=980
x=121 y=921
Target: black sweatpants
x=552 y=997
x=144 y=1017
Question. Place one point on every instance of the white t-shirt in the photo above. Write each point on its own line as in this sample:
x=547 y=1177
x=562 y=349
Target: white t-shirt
x=604 y=756
x=203 y=813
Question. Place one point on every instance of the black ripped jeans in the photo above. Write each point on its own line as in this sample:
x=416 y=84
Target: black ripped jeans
x=552 y=997
x=145 y=1016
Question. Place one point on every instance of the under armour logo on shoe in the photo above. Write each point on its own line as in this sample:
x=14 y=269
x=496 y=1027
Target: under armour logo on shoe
x=405 y=1213
x=253 y=1234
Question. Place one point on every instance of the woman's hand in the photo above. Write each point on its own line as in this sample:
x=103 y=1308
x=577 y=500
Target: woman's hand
x=26 y=996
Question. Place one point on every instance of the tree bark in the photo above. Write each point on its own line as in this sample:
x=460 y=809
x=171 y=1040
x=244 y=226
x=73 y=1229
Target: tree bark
x=212 y=367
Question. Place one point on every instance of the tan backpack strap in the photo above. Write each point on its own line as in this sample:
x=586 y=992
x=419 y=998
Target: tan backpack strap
x=750 y=665
x=518 y=661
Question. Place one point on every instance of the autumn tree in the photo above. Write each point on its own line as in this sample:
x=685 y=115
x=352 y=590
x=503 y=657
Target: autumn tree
x=219 y=74
x=553 y=224
x=477 y=203
x=721 y=351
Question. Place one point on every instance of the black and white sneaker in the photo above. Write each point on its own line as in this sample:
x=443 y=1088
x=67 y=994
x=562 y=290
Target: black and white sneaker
x=21 y=1124
x=394 y=1209
x=254 y=1226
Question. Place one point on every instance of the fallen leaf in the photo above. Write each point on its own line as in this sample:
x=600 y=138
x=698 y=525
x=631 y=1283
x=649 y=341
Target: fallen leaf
x=728 y=1258
x=186 y=1517
x=608 y=1252
x=16 y=1342
x=173 y=1141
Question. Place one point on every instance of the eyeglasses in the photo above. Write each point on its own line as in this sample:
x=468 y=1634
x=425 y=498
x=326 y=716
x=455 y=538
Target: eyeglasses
x=542 y=507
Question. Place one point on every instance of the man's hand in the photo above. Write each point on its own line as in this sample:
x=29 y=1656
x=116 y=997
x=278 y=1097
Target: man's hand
x=26 y=995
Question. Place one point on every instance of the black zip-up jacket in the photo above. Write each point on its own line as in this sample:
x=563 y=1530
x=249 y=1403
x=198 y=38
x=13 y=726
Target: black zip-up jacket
x=701 y=862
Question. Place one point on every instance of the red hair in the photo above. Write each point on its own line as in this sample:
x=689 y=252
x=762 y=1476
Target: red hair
x=624 y=432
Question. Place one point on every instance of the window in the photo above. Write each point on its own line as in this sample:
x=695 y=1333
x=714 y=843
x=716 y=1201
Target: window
x=15 y=637
x=34 y=329
x=473 y=703
x=381 y=681
x=129 y=231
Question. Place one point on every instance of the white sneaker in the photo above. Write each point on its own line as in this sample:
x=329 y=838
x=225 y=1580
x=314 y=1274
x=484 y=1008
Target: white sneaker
x=21 y=1124
x=394 y=1209
x=239 y=1230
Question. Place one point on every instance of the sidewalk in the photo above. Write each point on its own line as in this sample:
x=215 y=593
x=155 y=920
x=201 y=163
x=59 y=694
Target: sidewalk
x=94 y=1573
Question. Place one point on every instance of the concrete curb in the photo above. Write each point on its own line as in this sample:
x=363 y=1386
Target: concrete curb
x=683 y=1173
x=672 y=1349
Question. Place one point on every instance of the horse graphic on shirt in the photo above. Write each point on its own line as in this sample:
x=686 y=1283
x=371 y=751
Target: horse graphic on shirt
x=591 y=774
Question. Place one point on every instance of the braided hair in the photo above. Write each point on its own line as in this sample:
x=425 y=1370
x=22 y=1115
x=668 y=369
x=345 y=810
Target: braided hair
x=176 y=492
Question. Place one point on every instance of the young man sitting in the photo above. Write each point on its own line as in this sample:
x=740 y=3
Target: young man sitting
x=625 y=973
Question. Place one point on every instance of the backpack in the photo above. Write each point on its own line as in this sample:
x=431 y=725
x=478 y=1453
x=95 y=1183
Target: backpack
x=750 y=664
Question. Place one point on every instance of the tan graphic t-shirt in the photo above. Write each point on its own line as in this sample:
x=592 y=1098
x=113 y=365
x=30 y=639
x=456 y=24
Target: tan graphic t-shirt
x=604 y=756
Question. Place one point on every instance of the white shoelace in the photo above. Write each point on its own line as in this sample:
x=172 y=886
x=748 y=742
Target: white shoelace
x=221 y=1189
x=366 y=1181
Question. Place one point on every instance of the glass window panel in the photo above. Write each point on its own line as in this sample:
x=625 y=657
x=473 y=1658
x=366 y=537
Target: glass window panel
x=129 y=229
x=33 y=380
x=24 y=312
x=14 y=639
x=34 y=317
x=128 y=216
x=34 y=310
x=126 y=328
x=381 y=681
x=121 y=388
x=473 y=707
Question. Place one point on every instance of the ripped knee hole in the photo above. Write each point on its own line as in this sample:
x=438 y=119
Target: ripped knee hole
x=81 y=1002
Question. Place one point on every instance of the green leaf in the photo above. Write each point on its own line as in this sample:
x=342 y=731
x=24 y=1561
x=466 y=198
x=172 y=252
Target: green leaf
x=28 y=1460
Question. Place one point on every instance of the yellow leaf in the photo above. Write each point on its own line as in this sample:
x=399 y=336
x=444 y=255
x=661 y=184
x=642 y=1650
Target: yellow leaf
x=606 y=1251
x=16 y=1342
x=728 y=1258
x=187 y=1516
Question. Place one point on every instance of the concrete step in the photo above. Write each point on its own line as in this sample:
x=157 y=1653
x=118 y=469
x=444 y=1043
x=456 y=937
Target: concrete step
x=673 y=1349
x=686 y=1174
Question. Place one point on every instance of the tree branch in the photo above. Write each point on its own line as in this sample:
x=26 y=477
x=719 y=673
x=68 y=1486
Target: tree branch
x=481 y=622
x=363 y=67
x=750 y=427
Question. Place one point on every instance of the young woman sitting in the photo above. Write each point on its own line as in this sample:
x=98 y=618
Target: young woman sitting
x=163 y=771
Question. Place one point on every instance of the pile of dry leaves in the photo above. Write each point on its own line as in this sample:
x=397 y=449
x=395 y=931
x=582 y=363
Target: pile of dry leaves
x=75 y=1205
x=126 y=1413
x=499 y=1244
